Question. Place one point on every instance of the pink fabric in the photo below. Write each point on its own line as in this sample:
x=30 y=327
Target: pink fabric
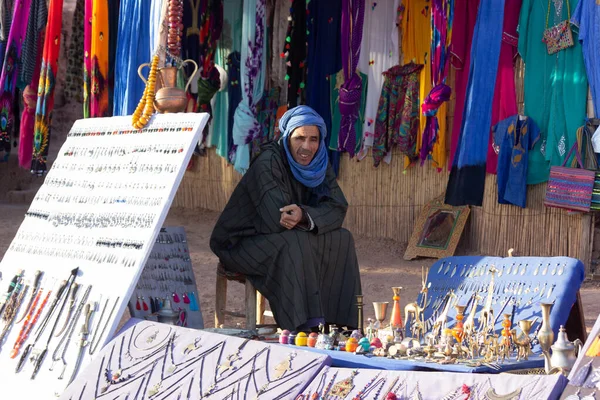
x=505 y=95
x=465 y=16
x=28 y=116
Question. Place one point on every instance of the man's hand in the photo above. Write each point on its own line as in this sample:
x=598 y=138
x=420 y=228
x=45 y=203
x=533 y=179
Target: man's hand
x=290 y=216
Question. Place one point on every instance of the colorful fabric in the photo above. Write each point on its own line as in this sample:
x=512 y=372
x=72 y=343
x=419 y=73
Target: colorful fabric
x=87 y=59
x=48 y=75
x=335 y=83
x=514 y=136
x=465 y=16
x=36 y=24
x=379 y=52
x=323 y=59
x=294 y=53
x=99 y=56
x=231 y=37
x=279 y=29
x=397 y=117
x=234 y=92
x=133 y=49
x=73 y=88
x=253 y=66
x=113 y=28
x=10 y=71
x=467 y=177
x=555 y=87
x=353 y=14
x=313 y=174
x=28 y=116
x=587 y=18
x=505 y=94
x=266 y=111
x=416 y=47
x=442 y=16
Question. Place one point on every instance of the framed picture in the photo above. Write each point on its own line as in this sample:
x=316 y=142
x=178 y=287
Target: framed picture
x=437 y=230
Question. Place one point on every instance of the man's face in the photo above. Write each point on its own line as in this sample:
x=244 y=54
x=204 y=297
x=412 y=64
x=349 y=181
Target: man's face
x=304 y=143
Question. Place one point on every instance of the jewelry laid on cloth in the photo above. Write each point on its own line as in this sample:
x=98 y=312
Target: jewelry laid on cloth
x=576 y=396
x=284 y=366
x=581 y=375
x=342 y=388
x=492 y=395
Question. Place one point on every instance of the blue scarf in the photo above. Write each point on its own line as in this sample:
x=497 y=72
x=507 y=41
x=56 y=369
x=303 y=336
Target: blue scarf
x=313 y=174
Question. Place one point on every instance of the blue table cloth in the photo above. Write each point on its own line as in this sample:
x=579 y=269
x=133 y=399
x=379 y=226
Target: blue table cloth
x=465 y=275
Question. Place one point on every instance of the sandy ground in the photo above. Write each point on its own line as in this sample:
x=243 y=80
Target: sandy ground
x=381 y=266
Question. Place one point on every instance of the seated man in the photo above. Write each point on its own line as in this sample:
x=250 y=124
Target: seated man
x=282 y=229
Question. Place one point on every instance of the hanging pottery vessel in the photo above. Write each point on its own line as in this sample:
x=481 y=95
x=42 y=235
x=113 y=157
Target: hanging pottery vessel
x=170 y=98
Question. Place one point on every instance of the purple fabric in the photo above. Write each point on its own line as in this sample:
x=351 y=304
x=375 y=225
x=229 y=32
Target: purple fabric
x=353 y=15
x=442 y=17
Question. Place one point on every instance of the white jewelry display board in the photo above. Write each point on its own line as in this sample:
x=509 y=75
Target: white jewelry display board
x=97 y=214
x=168 y=274
x=372 y=384
x=159 y=361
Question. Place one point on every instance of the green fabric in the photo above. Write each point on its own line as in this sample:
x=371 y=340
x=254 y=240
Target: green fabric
x=230 y=41
x=555 y=87
x=336 y=117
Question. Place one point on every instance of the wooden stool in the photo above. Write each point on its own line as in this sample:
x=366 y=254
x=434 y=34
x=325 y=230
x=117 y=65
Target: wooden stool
x=255 y=302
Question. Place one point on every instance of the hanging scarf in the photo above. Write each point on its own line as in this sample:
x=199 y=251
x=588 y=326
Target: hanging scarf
x=99 y=75
x=294 y=52
x=467 y=178
x=38 y=15
x=28 y=115
x=442 y=15
x=234 y=91
x=87 y=59
x=10 y=70
x=47 y=83
x=209 y=81
x=313 y=174
x=253 y=57
x=133 y=49
x=113 y=28
x=353 y=13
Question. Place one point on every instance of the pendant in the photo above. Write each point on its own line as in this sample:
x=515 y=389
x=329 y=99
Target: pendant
x=228 y=365
x=561 y=269
x=154 y=389
x=537 y=270
x=152 y=337
x=192 y=347
x=284 y=366
x=343 y=388
x=453 y=272
x=492 y=395
x=441 y=266
x=447 y=269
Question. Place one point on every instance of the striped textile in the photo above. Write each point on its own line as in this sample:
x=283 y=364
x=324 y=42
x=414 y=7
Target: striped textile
x=570 y=188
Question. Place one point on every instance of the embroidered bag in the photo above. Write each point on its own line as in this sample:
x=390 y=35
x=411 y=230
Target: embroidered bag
x=570 y=188
x=559 y=37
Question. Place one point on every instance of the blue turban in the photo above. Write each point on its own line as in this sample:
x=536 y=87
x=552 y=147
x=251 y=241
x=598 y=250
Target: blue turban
x=313 y=174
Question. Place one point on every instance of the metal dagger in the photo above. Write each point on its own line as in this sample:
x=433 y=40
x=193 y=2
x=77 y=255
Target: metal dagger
x=38 y=359
x=73 y=293
x=83 y=342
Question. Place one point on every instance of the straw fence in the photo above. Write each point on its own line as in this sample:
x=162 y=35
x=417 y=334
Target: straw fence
x=385 y=202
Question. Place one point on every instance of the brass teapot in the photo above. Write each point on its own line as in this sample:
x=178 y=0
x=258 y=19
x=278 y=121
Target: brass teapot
x=170 y=98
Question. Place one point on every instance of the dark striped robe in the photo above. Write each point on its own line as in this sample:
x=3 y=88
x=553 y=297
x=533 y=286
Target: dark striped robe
x=304 y=275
